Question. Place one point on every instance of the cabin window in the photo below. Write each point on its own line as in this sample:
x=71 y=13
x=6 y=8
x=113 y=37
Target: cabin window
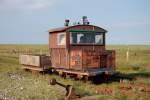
x=61 y=39
x=86 y=38
x=99 y=39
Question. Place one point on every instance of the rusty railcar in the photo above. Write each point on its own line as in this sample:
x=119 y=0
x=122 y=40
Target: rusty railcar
x=80 y=50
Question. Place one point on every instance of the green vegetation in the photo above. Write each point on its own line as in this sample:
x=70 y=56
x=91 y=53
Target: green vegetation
x=138 y=59
x=17 y=84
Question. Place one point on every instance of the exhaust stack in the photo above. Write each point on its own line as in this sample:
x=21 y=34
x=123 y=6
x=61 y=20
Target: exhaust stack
x=85 y=20
x=66 y=22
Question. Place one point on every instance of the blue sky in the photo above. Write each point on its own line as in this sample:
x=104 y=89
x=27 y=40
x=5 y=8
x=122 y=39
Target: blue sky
x=27 y=21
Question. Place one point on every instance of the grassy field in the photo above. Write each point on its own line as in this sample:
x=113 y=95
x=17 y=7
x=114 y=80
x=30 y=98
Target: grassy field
x=16 y=84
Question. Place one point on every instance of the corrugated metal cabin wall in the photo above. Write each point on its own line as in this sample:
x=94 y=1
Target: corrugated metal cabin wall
x=67 y=41
x=57 y=59
x=88 y=48
x=108 y=58
x=53 y=40
x=58 y=52
x=112 y=58
x=84 y=49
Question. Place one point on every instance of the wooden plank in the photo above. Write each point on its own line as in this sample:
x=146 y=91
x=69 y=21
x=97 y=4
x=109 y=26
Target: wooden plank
x=33 y=68
x=30 y=60
x=74 y=72
x=35 y=60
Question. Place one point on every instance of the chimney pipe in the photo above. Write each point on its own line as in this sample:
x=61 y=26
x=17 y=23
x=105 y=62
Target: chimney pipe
x=66 y=22
x=85 y=20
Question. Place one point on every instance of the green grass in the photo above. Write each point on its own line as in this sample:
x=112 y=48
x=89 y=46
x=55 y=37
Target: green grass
x=16 y=84
x=139 y=56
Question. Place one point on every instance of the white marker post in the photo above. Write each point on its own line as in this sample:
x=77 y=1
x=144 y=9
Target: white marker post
x=127 y=55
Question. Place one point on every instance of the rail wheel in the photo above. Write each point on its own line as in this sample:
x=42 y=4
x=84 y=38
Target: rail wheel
x=64 y=75
x=34 y=72
x=105 y=77
x=85 y=78
x=60 y=73
x=79 y=77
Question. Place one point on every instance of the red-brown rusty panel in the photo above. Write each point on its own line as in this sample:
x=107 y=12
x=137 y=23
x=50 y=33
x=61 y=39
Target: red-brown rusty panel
x=112 y=59
x=76 y=59
x=58 y=58
x=45 y=61
x=87 y=27
x=103 y=61
x=91 y=59
x=63 y=58
x=53 y=41
x=109 y=59
x=90 y=55
x=88 y=47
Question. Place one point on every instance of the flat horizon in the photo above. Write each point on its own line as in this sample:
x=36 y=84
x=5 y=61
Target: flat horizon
x=27 y=21
x=48 y=44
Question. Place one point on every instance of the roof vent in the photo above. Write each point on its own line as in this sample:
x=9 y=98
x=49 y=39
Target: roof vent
x=85 y=20
x=66 y=22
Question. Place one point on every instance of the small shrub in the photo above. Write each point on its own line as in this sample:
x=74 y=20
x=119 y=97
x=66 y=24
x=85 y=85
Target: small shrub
x=136 y=68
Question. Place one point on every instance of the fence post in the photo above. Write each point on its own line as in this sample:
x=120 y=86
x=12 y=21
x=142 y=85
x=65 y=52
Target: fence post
x=127 y=55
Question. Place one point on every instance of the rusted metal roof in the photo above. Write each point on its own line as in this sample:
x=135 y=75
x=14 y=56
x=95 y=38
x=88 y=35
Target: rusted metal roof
x=57 y=29
x=68 y=27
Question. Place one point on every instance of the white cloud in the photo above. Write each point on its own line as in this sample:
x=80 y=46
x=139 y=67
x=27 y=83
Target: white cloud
x=25 y=4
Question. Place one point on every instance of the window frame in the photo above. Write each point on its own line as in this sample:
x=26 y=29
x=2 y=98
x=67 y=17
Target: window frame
x=58 y=38
x=101 y=33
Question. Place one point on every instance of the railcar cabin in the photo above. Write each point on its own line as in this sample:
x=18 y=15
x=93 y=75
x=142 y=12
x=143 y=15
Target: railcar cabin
x=80 y=50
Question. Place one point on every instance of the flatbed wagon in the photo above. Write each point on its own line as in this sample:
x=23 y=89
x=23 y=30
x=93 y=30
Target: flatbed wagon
x=35 y=62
